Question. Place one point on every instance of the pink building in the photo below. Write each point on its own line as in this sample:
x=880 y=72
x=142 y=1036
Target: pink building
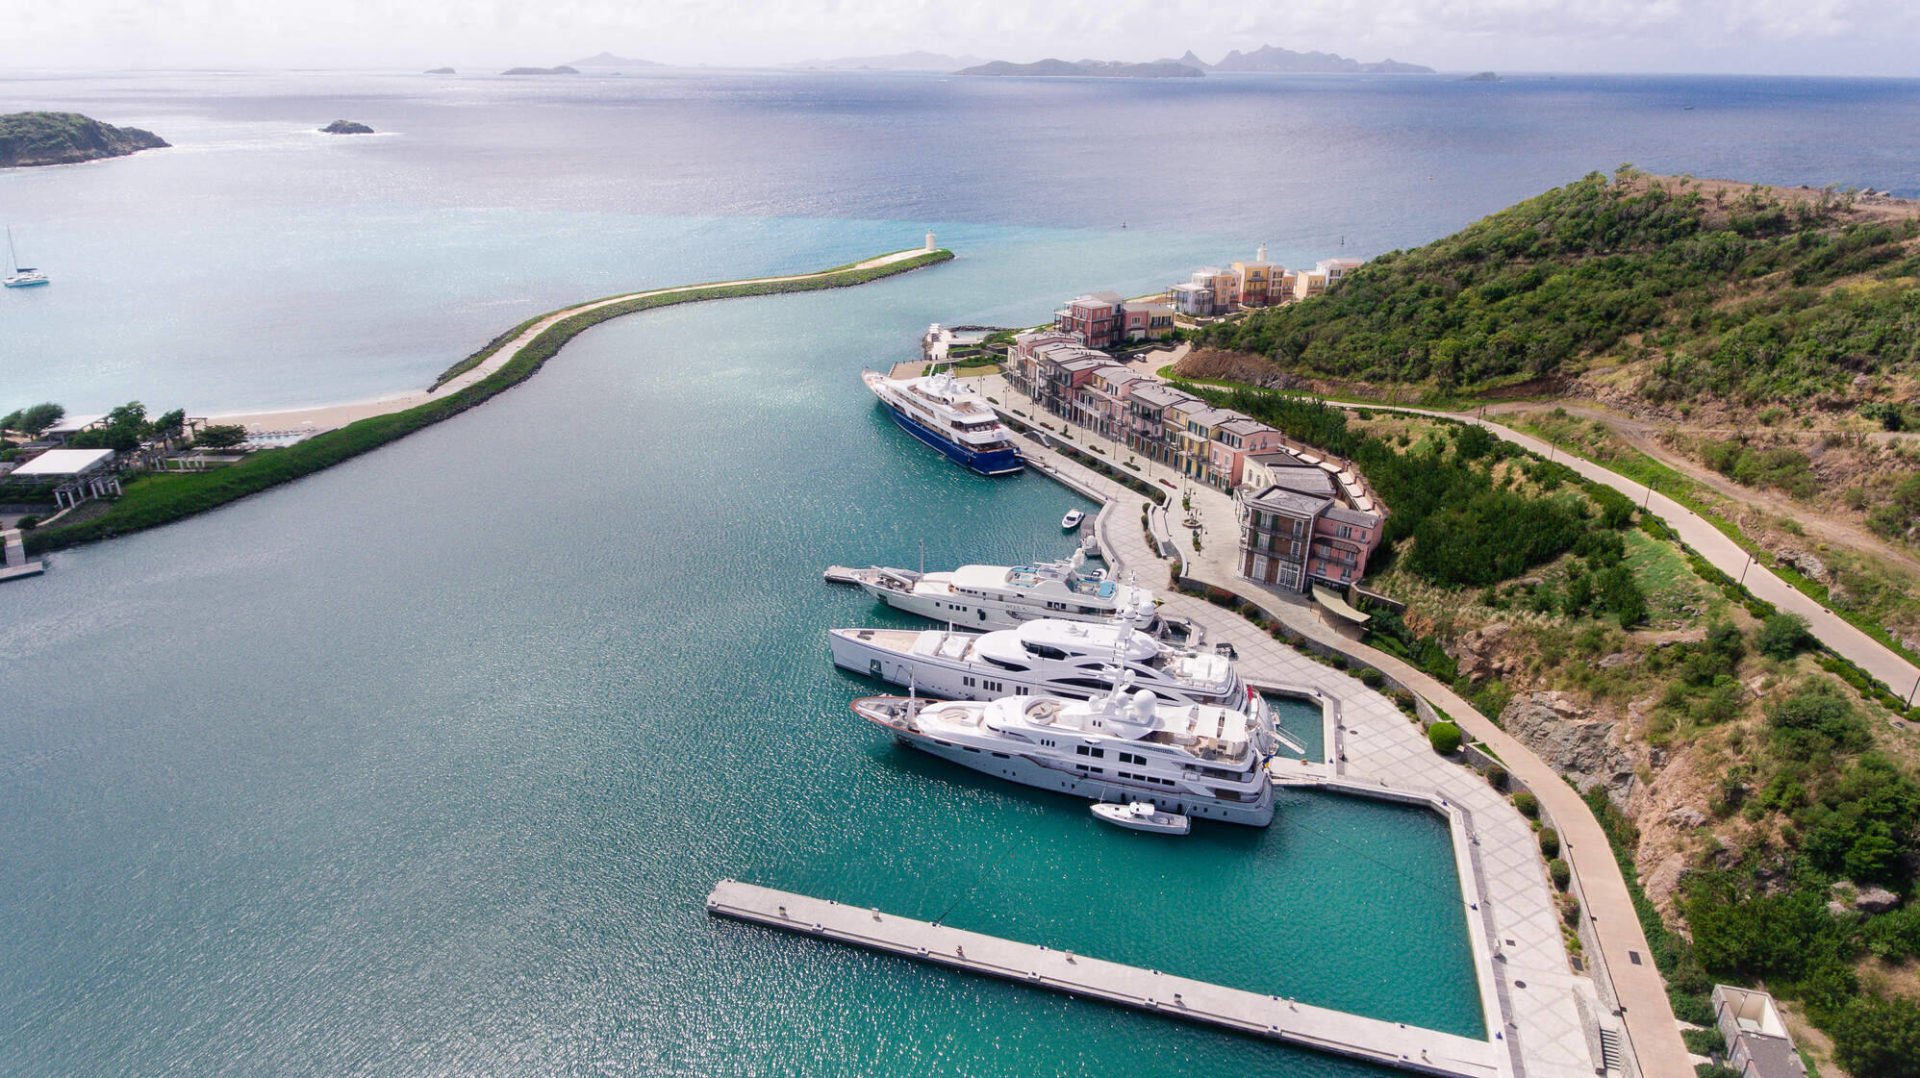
x=1294 y=540
x=1233 y=442
x=1103 y=319
x=1095 y=318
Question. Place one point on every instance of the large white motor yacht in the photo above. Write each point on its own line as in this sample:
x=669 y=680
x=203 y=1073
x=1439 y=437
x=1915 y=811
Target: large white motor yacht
x=1195 y=760
x=1049 y=657
x=949 y=415
x=1001 y=597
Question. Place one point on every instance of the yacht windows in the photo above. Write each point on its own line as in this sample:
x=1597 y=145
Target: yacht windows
x=1088 y=750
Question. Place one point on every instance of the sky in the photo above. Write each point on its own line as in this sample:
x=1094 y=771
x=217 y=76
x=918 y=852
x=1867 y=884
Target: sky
x=1780 y=37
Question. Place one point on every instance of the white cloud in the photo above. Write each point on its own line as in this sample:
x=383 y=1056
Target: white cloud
x=1798 y=36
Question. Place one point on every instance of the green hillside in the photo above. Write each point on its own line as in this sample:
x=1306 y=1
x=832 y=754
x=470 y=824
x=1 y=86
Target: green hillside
x=1747 y=293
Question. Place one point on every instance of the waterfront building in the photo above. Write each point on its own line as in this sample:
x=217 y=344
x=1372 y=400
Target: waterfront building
x=1093 y=318
x=1193 y=299
x=1193 y=436
x=1147 y=409
x=1103 y=319
x=1104 y=399
x=1145 y=320
x=1291 y=539
x=1065 y=376
x=1325 y=274
x=1023 y=359
x=1758 y=1044
x=1282 y=469
x=1256 y=279
x=1233 y=442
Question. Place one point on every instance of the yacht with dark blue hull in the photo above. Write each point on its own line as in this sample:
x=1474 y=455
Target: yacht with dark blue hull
x=949 y=416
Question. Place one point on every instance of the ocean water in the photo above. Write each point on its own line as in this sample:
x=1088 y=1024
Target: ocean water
x=260 y=263
x=426 y=763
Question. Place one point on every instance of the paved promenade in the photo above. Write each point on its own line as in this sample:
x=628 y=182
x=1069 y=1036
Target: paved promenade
x=1380 y=744
x=1393 y=1044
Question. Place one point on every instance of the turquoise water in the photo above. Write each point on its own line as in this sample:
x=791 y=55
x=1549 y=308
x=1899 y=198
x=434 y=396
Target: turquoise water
x=428 y=762
x=1304 y=722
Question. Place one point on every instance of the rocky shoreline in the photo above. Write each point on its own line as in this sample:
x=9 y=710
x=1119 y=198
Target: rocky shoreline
x=29 y=139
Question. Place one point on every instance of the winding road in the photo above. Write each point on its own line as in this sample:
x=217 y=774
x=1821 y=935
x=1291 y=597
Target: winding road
x=1878 y=660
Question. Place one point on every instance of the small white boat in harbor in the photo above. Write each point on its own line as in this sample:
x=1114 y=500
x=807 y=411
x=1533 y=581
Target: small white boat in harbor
x=1072 y=519
x=1143 y=816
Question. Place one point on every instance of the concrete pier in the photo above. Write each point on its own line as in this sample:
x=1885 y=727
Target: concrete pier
x=1392 y=1044
x=13 y=557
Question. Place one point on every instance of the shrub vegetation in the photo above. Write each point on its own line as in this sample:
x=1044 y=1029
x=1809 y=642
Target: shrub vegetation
x=1729 y=295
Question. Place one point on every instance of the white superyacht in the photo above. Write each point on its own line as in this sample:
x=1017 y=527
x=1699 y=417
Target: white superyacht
x=1196 y=760
x=1001 y=596
x=1048 y=657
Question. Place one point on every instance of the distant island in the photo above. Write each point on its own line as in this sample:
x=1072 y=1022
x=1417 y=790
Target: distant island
x=1098 y=69
x=1483 y=76
x=1270 y=59
x=441 y=71
x=65 y=138
x=1267 y=59
x=563 y=69
x=347 y=127
x=607 y=59
x=919 y=60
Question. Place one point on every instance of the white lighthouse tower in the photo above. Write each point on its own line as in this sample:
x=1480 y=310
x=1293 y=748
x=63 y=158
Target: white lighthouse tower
x=929 y=241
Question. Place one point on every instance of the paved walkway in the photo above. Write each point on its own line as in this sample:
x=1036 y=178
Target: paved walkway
x=329 y=416
x=1550 y=1018
x=1725 y=555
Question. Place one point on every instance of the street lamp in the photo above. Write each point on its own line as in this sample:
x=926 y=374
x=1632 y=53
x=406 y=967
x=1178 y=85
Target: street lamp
x=1744 y=568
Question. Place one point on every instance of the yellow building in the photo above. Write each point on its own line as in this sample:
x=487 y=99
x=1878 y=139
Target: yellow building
x=1257 y=281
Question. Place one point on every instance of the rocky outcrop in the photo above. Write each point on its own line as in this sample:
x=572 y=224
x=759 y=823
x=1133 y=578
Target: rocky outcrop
x=347 y=127
x=1804 y=563
x=65 y=138
x=1850 y=897
x=1584 y=750
x=1481 y=654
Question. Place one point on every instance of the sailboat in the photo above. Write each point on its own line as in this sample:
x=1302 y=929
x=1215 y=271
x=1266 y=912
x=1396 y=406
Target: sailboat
x=22 y=276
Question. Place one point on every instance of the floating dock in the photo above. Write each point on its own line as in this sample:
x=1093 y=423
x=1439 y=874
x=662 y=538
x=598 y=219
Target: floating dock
x=13 y=557
x=1392 y=1044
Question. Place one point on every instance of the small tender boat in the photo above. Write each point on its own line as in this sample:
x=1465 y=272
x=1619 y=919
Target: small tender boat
x=1143 y=816
x=1072 y=519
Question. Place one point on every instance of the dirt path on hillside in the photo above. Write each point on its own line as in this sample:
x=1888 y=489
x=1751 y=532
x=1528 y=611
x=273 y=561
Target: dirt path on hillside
x=1645 y=437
